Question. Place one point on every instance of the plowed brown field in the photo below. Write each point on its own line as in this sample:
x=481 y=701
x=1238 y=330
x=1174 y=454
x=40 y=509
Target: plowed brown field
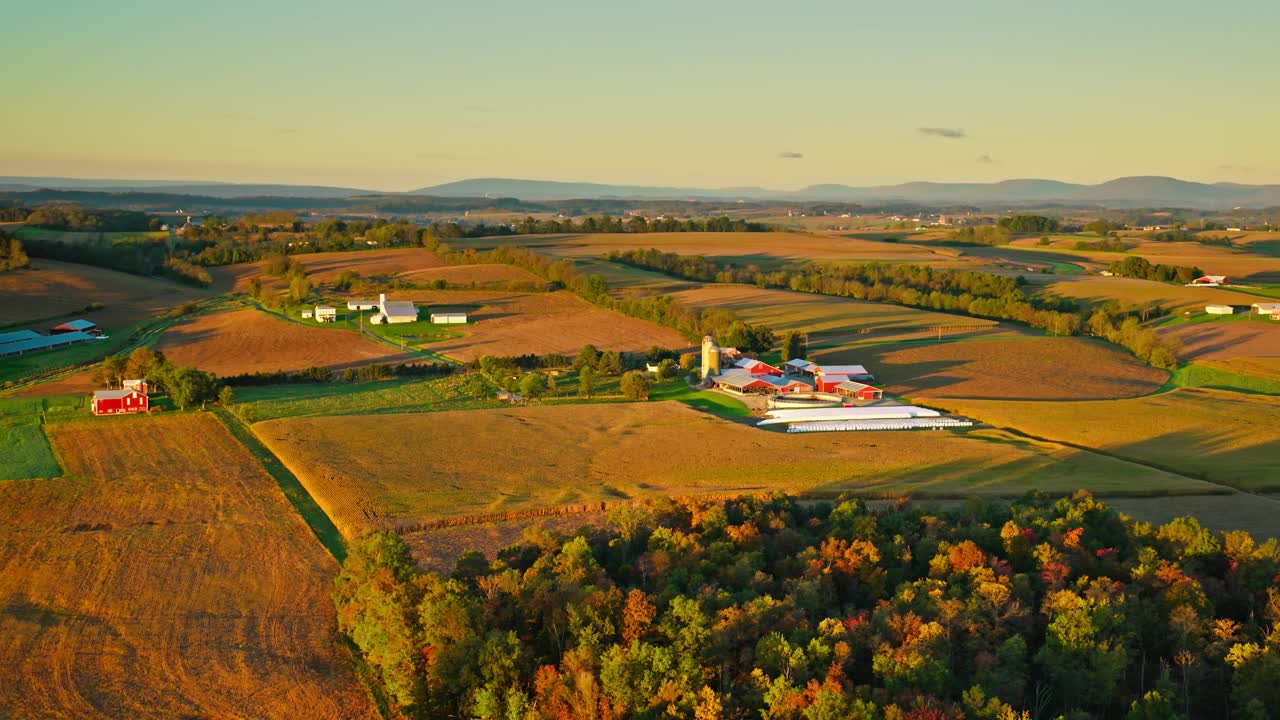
x=247 y=341
x=1045 y=368
x=541 y=323
x=164 y=577
x=50 y=288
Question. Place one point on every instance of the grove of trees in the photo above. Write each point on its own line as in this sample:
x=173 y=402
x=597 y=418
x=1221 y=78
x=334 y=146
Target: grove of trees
x=777 y=609
x=12 y=256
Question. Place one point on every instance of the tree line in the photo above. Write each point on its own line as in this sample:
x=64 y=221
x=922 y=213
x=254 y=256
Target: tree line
x=974 y=293
x=12 y=256
x=1140 y=267
x=772 y=608
x=186 y=386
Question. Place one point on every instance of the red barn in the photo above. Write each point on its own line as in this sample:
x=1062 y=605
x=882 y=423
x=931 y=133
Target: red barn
x=828 y=383
x=859 y=390
x=116 y=402
x=756 y=367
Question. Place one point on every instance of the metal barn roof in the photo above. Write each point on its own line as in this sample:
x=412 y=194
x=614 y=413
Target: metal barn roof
x=43 y=342
x=77 y=324
x=18 y=335
x=841 y=370
x=399 y=308
x=114 y=394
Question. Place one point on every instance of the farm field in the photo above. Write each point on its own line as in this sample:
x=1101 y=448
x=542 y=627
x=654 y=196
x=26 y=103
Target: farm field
x=324 y=267
x=1098 y=289
x=479 y=462
x=1025 y=368
x=175 y=582
x=27 y=454
x=766 y=249
x=248 y=341
x=50 y=289
x=510 y=323
x=785 y=310
x=1224 y=437
x=1239 y=264
x=1225 y=340
x=479 y=274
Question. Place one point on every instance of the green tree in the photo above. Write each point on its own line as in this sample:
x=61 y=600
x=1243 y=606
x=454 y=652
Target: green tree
x=793 y=346
x=586 y=381
x=587 y=356
x=533 y=386
x=226 y=396
x=666 y=370
x=610 y=363
x=635 y=386
x=111 y=371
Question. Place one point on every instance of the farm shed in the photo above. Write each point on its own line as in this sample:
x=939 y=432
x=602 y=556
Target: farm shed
x=362 y=304
x=77 y=325
x=796 y=366
x=139 y=384
x=117 y=402
x=853 y=372
x=1210 y=280
x=828 y=383
x=21 y=342
x=449 y=318
x=308 y=314
x=326 y=313
x=859 y=390
x=1272 y=309
x=756 y=367
x=742 y=382
x=1219 y=309
x=890 y=412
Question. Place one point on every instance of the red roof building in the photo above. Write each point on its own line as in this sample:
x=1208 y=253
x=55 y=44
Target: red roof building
x=118 y=402
x=756 y=367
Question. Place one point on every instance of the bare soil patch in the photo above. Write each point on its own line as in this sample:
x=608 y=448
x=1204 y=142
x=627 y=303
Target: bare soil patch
x=1227 y=340
x=540 y=323
x=52 y=289
x=248 y=341
x=1043 y=368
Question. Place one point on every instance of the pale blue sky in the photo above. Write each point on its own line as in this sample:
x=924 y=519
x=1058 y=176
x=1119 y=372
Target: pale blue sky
x=396 y=95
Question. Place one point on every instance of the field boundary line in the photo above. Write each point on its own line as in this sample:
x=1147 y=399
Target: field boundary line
x=295 y=492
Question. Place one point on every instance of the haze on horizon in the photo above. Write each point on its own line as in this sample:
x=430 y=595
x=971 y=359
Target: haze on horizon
x=396 y=95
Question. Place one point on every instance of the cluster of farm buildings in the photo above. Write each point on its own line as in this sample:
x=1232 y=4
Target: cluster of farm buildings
x=1266 y=309
x=72 y=332
x=390 y=312
x=129 y=399
x=811 y=397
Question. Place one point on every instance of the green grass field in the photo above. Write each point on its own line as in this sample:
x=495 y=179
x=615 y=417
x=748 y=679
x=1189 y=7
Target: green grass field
x=1202 y=375
x=74 y=237
x=26 y=451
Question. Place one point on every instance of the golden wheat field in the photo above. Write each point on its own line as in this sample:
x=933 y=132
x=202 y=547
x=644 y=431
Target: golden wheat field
x=165 y=576
x=1227 y=340
x=398 y=470
x=1225 y=437
x=324 y=267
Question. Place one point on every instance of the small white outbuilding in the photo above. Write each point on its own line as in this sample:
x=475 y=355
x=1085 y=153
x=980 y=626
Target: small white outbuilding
x=1219 y=309
x=449 y=318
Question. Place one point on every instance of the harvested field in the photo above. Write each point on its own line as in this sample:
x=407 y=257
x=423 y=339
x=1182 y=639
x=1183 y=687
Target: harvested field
x=1267 y=368
x=1027 y=368
x=480 y=274
x=75 y=384
x=1224 y=437
x=248 y=341
x=495 y=462
x=784 y=310
x=51 y=289
x=540 y=323
x=764 y=248
x=1227 y=340
x=175 y=582
x=1098 y=289
x=324 y=267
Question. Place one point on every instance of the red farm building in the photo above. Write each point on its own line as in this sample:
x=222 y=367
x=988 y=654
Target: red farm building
x=756 y=367
x=118 y=402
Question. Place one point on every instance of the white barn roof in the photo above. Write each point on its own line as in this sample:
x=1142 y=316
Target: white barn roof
x=887 y=412
x=841 y=370
x=399 y=308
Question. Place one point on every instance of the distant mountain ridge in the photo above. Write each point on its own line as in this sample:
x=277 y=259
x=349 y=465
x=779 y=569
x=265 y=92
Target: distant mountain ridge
x=1139 y=191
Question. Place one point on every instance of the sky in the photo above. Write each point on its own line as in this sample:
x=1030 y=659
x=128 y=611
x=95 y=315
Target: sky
x=398 y=95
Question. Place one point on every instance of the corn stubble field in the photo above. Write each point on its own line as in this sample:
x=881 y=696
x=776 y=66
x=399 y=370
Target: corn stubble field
x=164 y=575
x=397 y=471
